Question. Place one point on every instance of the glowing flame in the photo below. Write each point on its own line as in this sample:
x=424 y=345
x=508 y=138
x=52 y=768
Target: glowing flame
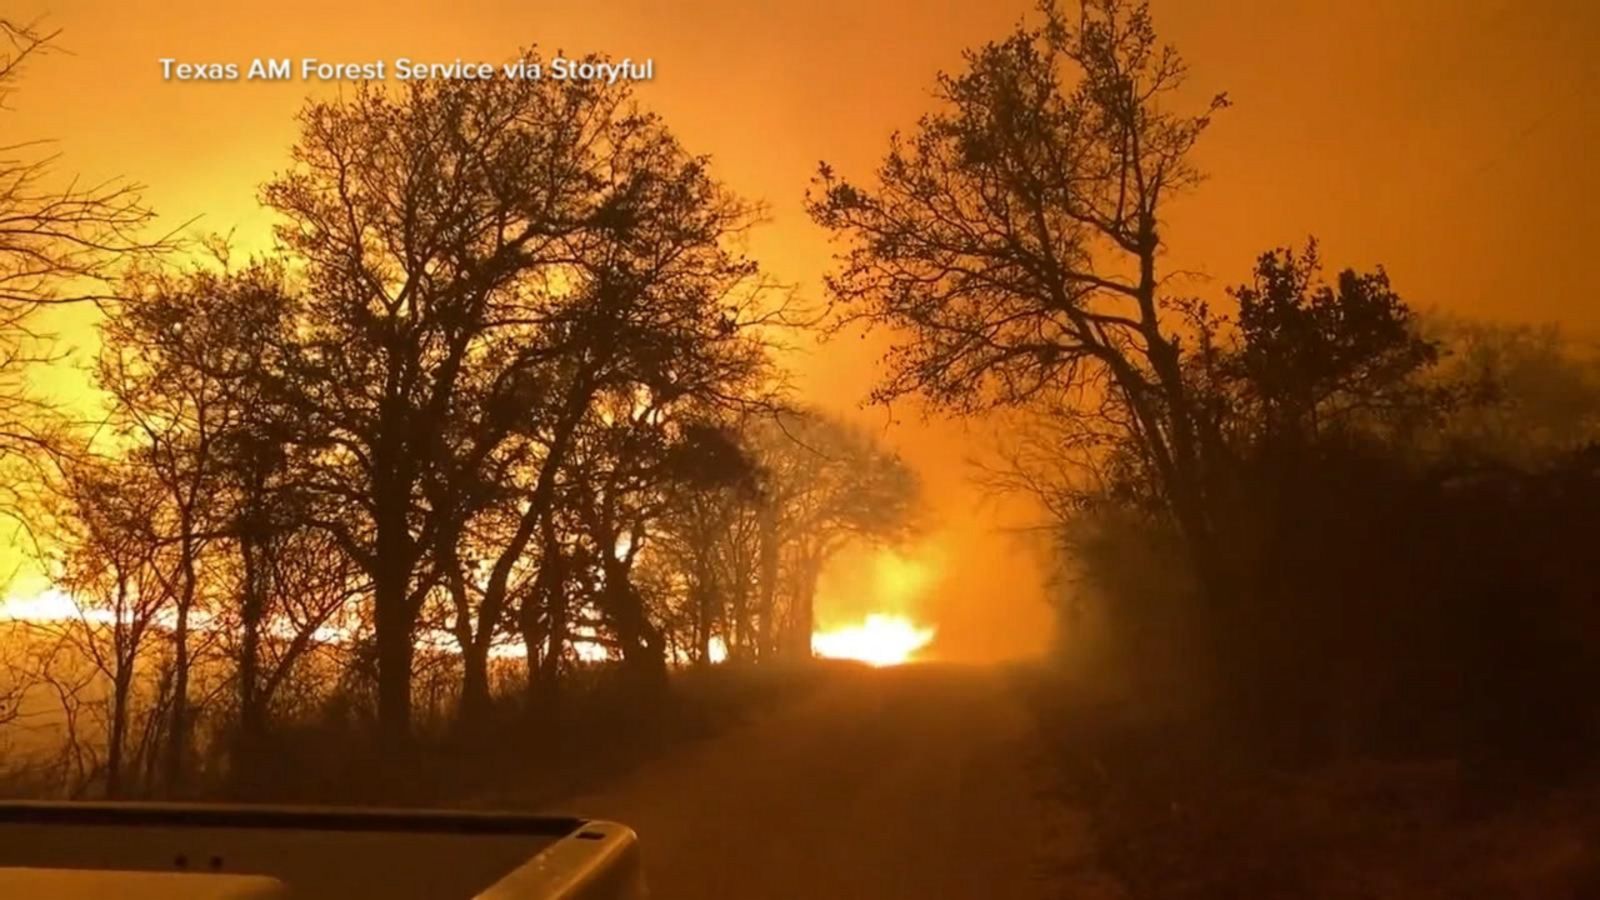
x=718 y=649
x=881 y=640
x=51 y=606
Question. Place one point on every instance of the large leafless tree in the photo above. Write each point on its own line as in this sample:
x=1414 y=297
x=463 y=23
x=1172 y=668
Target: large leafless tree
x=1015 y=240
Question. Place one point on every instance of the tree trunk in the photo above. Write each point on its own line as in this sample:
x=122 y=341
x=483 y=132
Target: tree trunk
x=475 y=699
x=117 y=740
x=252 y=607
x=544 y=646
x=547 y=686
x=644 y=656
x=1186 y=472
x=767 y=601
x=702 y=623
x=544 y=679
x=394 y=619
x=395 y=651
x=802 y=611
x=738 y=635
x=178 y=720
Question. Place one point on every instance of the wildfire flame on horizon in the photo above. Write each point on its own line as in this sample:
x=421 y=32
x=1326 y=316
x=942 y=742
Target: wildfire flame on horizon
x=879 y=640
x=53 y=607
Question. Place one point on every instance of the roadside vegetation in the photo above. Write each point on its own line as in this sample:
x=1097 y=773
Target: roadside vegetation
x=1329 y=625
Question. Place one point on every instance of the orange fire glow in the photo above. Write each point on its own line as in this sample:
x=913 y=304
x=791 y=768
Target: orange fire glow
x=880 y=640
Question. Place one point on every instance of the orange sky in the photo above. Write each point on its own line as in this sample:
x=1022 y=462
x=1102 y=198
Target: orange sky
x=1447 y=140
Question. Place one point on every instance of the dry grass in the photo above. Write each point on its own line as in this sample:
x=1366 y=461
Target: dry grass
x=524 y=758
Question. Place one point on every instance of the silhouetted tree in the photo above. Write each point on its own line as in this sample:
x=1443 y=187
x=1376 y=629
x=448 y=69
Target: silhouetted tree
x=423 y=218
x=1311 y=356
x=193 y=362
x=753 y=549
x=826 y=484
x=656 y=315
x=482 y=261
x=648 y=465
x=104 y=555
x=182 y=361
x=1014 y=241
x=718 y=484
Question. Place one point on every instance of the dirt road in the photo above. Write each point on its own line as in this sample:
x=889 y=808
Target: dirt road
x=913 y=782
